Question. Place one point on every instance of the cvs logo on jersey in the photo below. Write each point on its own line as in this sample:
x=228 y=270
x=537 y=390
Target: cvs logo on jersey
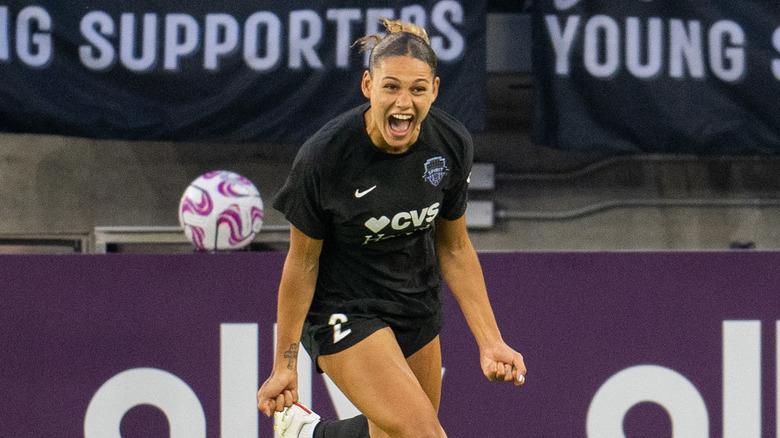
x=403 y=223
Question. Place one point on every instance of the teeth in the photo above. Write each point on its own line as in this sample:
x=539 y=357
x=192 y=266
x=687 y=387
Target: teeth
x=403 y=116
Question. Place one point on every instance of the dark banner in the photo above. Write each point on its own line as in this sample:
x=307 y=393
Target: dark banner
x=234 y=71
x=617 y=345
x=659 y=76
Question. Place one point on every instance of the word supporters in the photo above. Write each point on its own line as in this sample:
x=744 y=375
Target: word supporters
x=262 y=40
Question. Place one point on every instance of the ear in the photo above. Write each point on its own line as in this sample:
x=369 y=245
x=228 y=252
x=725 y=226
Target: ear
x=365 y=84
x=435 y=87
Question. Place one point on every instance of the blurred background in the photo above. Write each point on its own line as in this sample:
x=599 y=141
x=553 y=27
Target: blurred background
x=623 y=125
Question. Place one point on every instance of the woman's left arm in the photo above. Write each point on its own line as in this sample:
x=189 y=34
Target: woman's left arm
x=461 y=270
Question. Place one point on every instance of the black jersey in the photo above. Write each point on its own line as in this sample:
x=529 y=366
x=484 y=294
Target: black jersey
x=375 y=210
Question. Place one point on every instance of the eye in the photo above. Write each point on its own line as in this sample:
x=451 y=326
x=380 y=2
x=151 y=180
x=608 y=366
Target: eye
x=391 y=86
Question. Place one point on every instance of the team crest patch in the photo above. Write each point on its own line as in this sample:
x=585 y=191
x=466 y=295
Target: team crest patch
x=435 y=170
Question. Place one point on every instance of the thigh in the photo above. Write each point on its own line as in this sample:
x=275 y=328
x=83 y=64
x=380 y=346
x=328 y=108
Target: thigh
x=426 y=366
x=377 y=379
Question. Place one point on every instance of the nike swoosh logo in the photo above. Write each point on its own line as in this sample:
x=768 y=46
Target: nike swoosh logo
x=359 y=194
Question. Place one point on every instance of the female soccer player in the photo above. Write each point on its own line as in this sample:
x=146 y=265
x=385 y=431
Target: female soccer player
x=376 y=201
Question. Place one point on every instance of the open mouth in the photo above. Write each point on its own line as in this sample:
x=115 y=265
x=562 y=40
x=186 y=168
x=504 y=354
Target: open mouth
x=400 y=124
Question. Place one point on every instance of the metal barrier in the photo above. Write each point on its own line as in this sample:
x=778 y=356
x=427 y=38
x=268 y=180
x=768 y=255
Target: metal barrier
x=171 y=239
x=44 y=244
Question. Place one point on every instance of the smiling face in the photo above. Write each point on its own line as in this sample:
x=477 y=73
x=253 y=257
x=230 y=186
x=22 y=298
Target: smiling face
x=401 y=90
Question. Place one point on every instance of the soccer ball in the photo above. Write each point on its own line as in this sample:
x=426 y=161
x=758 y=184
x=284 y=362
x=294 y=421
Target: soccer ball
x=221 y=211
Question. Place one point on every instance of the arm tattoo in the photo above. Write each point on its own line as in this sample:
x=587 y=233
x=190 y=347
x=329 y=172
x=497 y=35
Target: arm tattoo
x=292 y=356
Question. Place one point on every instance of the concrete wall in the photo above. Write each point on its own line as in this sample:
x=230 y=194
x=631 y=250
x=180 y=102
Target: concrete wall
x=55 y=186
x=59 y=186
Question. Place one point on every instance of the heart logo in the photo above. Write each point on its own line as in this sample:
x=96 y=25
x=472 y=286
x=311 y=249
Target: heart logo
x=376 y=225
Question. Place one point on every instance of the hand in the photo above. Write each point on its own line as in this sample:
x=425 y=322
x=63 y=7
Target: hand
x=280 y=390
x=500 y=363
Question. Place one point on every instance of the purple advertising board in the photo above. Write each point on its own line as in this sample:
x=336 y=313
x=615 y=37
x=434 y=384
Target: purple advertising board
x=657 y=344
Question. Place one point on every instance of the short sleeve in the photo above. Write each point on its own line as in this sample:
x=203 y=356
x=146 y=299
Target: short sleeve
x=456 y=192
x=300 y=199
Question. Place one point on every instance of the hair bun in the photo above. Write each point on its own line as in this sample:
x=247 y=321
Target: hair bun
x=393 y=26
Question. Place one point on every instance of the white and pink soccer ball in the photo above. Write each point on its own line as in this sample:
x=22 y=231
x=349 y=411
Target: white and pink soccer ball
x=221 y=211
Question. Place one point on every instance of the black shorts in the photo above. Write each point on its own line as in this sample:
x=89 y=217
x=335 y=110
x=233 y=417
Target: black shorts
x=334 y=328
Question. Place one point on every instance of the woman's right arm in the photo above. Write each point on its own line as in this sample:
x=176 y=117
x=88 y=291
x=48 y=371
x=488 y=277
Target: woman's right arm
x=296 y=290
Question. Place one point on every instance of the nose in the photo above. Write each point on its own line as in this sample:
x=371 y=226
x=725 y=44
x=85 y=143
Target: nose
x=404 y=100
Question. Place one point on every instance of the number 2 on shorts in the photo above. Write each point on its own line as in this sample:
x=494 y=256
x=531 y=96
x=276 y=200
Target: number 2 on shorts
x=336 y=320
